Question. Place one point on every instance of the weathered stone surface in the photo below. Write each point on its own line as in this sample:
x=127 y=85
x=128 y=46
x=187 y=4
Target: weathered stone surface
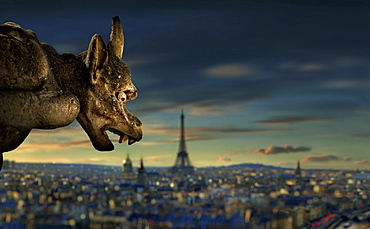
x=23 y=64
x=41 y=89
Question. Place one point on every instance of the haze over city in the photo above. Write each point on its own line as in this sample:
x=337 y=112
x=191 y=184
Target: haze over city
x=258 y=82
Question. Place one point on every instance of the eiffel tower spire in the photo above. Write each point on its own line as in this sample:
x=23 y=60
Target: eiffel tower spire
x=182 y=163
x=182 y=147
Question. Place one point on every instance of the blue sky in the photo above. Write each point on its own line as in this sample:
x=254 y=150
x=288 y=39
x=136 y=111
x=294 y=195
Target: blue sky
x=259 y=82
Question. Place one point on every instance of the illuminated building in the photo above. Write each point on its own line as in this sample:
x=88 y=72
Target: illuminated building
x=127 y=165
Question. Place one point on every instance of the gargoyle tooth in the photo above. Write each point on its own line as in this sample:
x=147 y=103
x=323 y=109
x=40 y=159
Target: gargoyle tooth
x=131 y=141
x=122 y=138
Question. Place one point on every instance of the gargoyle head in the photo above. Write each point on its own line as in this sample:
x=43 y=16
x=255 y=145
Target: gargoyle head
x=109 y=87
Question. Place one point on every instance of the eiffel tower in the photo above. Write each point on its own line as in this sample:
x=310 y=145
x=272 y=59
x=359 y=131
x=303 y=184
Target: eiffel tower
x=182 y=163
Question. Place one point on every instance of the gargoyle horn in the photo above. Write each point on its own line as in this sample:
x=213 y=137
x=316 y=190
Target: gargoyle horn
x=116 y=40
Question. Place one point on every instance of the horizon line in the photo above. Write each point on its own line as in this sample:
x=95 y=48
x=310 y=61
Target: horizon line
x=163 y=167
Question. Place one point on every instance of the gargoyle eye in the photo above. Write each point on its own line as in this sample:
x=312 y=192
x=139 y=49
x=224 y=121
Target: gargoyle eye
x=109 y=70
x=121 y=96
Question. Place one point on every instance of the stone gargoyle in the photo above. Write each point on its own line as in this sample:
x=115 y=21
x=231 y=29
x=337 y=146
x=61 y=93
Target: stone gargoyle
x=40 y=89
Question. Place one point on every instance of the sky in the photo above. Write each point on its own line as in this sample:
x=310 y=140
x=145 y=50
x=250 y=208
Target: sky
x=271 y=82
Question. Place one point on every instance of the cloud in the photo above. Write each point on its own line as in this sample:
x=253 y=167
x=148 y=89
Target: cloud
x=363 y=110
x=323 y=158
x=280 y=149
x=290 y=120
x=311 y=67
x=360 y=136
x=303 y=67
x=343 y=84
x=346 y=159
x=50 y=146
x=347 y=84
x=229 y=70
x=208 y=110
x=223 y=159
x=363 y=162
x=351 y=62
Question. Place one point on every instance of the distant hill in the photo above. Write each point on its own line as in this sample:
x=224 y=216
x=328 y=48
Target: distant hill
x=255 y=166
x=247 y=165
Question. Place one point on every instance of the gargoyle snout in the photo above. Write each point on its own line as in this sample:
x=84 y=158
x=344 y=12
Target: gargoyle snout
x=131 y=94
x=135 y=121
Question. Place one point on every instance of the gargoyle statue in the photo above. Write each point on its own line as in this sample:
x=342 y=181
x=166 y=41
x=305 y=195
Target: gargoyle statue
x=40 y=89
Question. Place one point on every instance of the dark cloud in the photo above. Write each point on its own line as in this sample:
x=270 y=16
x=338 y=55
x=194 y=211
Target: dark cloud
x=281 y=149
x=323 y=158
x=244 y=55
x=319 y=102
x=290 y=120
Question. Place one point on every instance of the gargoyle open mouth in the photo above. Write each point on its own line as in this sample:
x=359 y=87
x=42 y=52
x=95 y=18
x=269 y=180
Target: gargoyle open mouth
x=124 y=137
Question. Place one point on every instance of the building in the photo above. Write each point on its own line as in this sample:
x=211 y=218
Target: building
x=6 y=164
x=141 y=173
x=298 y=171
x=300 y=179
x=127 y=165
x=182 y=163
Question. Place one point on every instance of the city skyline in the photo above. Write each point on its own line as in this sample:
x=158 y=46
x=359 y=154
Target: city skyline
x=259 y=83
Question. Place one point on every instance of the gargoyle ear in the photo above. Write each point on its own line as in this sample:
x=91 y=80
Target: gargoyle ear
x=116 y=40
x=96 y=57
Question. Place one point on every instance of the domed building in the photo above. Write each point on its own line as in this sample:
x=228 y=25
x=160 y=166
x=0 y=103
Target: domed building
x=127 y=166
